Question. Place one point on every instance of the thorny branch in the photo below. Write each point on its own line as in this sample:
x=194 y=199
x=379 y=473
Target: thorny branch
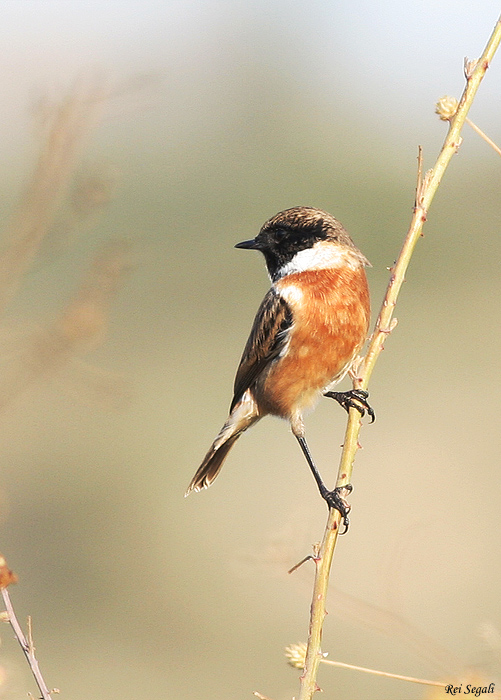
x=426 y=190
x=8 y=577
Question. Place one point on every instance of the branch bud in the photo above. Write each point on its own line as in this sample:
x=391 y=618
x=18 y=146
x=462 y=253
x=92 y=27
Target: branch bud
x=446 y=108
x=296 y=655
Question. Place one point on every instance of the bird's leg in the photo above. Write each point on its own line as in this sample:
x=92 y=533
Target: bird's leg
x=356 y=398
x=333 y=498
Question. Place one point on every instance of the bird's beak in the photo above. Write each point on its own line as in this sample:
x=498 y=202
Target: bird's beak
x=248 y=245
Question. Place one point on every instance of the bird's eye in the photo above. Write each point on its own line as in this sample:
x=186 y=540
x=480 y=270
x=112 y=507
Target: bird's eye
x=280 y=234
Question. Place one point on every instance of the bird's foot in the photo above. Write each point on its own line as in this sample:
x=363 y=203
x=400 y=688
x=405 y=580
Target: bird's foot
x=356 y=398
x=334 y=499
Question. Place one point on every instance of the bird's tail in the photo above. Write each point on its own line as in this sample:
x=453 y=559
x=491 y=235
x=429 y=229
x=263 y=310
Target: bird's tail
x=242 y=417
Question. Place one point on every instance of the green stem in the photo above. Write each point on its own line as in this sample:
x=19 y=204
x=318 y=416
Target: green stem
x=424 y=196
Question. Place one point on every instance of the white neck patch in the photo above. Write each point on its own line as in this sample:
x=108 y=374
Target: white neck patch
x=321 y=256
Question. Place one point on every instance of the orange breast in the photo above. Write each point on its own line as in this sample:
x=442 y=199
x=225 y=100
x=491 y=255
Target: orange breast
x=330 y=321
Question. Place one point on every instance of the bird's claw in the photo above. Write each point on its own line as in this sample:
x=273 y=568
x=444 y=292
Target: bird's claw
x=335 y=500
x=356 y=398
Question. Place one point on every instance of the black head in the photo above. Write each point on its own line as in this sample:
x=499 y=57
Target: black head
x=294 y=230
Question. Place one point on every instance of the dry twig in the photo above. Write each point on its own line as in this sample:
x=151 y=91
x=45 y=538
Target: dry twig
x=6 y=578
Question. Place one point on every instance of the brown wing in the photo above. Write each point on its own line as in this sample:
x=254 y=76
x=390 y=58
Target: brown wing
x=267 y=338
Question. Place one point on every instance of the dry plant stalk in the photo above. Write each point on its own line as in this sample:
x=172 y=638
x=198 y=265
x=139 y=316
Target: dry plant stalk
x=82 y=325
x=8 y=577
x=80 y=328
x=66 y=125
x=296 y=654
x=62 y=128
x=425 y=192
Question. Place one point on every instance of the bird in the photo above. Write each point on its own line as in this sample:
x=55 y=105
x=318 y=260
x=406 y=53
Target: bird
x=307 y=333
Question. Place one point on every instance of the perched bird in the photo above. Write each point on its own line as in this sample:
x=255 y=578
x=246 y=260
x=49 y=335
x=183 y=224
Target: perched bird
x=307 y=332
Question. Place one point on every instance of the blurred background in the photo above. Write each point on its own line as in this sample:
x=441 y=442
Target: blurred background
x=142 y=139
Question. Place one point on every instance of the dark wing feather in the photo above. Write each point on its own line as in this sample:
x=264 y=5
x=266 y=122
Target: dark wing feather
x=267 y=338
